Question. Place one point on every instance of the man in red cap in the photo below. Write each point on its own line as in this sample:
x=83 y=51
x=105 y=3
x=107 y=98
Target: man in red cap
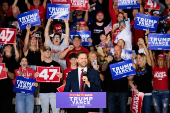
x=57 y=28
x=82 y=26
x=97 y=27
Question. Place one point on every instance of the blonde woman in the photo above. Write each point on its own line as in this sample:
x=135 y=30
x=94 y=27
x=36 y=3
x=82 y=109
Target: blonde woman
x=94 y=57
x=142 y=79
x=31 y=50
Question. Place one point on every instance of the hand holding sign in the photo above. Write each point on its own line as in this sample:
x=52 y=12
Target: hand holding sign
x=28 y=27
x=147 y=32
x=139 y=1
x=48 y=74
x=36 y=74
x=135 y=90
x=59 y=74
x=35 y=84
x=90 y=40
x=20 y=72
x=3 y=71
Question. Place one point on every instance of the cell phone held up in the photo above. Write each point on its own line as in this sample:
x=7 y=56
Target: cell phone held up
x=94 y=64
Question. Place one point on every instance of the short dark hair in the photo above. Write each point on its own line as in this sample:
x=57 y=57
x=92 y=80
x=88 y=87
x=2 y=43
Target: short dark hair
x=57 y=34
x=72 y=55
x=120 y=13
x=102 y=33
x=80 y=52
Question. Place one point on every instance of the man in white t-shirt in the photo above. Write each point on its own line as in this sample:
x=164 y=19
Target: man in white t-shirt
x=56 y=47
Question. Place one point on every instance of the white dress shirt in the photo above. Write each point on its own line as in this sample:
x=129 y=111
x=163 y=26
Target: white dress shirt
x=79 y=74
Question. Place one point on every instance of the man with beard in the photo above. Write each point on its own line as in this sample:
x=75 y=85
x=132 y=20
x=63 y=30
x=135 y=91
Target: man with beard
x=117 y=90
x=78 y=82
x=96 y=28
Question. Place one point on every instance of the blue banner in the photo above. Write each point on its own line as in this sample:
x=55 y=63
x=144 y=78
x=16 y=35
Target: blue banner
x=144 y=22
x=122 y=69
x=80 y=100
x=58 y=11
x=24 y=85
x=128 y=4
x=85 y=35
x=30 y=17
x=159 y=41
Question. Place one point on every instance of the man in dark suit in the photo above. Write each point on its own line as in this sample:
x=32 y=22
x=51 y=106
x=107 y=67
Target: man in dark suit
x=76 y=82
x=92 y=80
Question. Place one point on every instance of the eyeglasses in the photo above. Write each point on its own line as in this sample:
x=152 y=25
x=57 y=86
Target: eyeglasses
x=56 y=38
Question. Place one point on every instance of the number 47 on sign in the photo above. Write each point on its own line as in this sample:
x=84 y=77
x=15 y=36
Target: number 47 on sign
x=48 y=74
x=7 y=35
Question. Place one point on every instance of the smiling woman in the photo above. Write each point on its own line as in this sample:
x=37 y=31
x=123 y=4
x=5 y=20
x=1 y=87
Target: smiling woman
x=31 y=49
x=24 y=101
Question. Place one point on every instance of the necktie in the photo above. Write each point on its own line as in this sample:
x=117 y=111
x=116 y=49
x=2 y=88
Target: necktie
x=82 y=82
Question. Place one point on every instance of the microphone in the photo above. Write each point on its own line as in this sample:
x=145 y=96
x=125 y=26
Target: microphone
x=84 y=74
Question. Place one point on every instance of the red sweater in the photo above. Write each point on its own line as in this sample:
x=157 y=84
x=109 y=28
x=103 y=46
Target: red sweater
x=29 y=73
x=113 y=14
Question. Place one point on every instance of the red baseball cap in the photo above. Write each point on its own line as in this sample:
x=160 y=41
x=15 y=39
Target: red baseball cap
x=100 y=12
x=57 y=28
x=161 y=55
x=82 y=23
x=33 y=36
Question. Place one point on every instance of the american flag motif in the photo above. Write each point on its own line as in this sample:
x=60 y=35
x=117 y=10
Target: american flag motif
x=108 y=28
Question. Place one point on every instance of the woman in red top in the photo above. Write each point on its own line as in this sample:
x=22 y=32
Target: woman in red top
x=116 y=15
x=113 y=11
x=160 y=92
x=24 y=101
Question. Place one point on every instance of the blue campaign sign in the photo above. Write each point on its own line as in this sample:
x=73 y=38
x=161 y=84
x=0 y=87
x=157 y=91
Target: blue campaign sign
x=144 y=22
x=122 y=69
x=58 y=11
x=159 y=41
x=85 y=35
x=24 y=85
x=80 y=100
x=30 y=17
x=128 y=4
